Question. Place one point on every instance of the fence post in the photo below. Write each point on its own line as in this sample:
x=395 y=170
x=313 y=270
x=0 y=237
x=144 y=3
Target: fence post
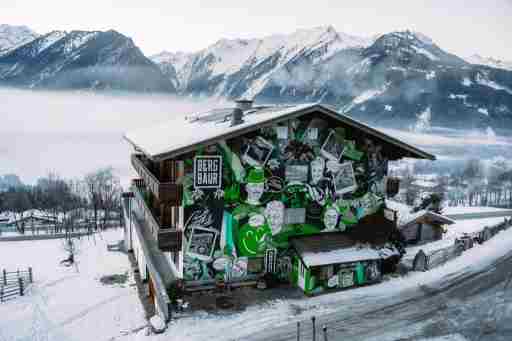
x=298 y=331
x=20 y=282
x=30 y=278
x=314 y=328
x=5 y=277
x=325 y=332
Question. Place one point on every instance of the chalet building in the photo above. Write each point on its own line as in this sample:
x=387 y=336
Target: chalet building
x=240 y=196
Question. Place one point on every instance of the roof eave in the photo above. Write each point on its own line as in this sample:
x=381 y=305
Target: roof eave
x=412 y=151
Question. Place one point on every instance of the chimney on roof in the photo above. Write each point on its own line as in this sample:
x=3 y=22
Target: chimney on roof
x=244 y=104
x=238 y=113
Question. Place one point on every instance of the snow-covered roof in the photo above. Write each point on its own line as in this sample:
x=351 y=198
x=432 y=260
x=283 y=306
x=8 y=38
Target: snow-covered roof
x=332 y=248
x=183 y=134
x=406 y=216
x=353 y=254
x=425 y=183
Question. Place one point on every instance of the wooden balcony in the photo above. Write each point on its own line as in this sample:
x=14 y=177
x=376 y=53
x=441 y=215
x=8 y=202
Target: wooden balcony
x=168 y=238
x=166 y=192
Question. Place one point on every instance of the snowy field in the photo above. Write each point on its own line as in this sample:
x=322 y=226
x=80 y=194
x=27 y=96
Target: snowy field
x=72 y=304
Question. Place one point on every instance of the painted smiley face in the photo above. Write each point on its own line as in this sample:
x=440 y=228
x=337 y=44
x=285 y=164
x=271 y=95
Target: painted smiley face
x=252 y=240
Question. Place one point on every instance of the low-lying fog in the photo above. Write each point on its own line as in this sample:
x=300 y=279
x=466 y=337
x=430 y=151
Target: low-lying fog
x=75 y=133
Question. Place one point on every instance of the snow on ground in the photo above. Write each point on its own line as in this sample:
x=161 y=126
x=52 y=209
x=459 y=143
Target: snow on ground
x=471 y=209
x=451 y=337
x=66 y=305
x=206 y=326
x=454 y=231
x=70 y=303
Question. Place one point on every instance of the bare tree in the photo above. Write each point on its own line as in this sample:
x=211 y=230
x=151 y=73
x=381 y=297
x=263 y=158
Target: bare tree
x=18 y=200
x=104 y=195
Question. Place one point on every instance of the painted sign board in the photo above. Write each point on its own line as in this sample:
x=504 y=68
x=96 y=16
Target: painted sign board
x=208 y=171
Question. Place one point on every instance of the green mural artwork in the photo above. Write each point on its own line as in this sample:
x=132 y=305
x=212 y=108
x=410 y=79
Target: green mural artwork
x=300 y=177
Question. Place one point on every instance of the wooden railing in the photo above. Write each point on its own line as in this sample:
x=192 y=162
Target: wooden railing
x=145 y=212
x=168 y=192
x=167 y=238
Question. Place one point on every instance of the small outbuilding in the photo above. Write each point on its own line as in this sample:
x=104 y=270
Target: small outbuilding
x=425 y=227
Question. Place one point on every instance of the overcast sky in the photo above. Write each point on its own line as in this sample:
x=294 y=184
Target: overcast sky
x=460 y=26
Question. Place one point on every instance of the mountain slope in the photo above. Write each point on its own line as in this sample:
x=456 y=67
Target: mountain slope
x=82 y=60
x=12 y=37
x=409 y=80
x=489 y=61
x=400 y=79
x=234 y=68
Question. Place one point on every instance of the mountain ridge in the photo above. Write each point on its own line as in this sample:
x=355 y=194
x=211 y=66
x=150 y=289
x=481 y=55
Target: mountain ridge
x=397 y=79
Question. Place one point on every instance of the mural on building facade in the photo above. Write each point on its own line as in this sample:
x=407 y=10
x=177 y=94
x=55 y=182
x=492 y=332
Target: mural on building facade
x=298 y=178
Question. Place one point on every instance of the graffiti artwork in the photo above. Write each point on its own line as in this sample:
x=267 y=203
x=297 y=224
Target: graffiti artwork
x=345 y=180
x=250 y=196
x=201 y=244
x=331 y=149
x=258 y=152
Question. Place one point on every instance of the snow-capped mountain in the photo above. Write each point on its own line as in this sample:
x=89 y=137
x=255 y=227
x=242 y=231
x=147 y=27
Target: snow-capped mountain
x=244 y=67
x=489 y=61
x=406 y=76
x=12 y=37
x=81 y=60
x=399 y=79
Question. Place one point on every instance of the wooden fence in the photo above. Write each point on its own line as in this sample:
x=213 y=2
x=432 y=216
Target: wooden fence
x=423 y=261
x=14 y=283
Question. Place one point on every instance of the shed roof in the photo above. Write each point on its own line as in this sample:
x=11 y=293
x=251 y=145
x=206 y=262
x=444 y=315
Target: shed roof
x=431 y=217
x=331 y=248
x=184 y=134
